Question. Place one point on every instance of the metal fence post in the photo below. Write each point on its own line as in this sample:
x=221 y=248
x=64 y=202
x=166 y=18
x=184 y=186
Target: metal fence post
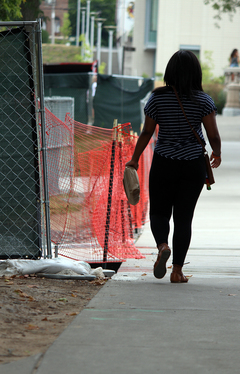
x=110 y=189
x=43 y=133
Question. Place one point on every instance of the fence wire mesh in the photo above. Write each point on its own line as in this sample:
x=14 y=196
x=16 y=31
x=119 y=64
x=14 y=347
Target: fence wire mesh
x=60 y=166
x=21 y=183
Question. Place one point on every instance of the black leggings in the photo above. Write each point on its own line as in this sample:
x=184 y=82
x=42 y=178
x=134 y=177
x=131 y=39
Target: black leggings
x=174 y=188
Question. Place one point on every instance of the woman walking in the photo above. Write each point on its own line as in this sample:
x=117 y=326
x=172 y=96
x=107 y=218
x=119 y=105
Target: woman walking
x=178 y=170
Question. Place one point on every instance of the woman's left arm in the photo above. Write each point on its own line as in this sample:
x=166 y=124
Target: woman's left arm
x=210 y=125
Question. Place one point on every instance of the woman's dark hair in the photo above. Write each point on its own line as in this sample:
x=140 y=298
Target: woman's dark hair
x=233 y=53
x=184 y=72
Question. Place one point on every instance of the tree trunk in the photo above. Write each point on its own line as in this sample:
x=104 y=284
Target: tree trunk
x=31 y=10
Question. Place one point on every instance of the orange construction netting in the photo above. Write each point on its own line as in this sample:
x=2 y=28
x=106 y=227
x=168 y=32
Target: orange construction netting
x=91 y=219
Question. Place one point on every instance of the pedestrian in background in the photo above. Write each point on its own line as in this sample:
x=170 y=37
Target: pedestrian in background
x=178 y=170
x=234 y=58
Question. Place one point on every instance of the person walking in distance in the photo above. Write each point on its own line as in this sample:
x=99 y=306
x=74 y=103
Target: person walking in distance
x=178 y=170
x=234 y=58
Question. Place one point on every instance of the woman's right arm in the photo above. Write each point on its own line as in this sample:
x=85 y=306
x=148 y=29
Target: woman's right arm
x=143 y=140
x=210 y=125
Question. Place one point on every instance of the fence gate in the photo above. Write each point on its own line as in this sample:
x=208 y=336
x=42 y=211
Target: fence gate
x=24 y=202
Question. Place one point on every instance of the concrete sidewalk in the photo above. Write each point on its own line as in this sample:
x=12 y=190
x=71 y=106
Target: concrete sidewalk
x=138 y=324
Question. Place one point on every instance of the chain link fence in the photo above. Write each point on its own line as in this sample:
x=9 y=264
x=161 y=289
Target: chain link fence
x=24 y=200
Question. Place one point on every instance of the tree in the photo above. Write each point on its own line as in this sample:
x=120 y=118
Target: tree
x=105 y=9
x=87 y=55
x=10 y=10
x=66 y=29
x=207 y=67
x=223 y=6
x=30 y=10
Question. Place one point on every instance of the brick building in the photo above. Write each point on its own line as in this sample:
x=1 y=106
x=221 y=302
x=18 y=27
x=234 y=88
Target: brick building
x=59 y=7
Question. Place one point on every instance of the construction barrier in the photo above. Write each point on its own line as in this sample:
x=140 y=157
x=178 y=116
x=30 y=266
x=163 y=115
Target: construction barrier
x=91 y=219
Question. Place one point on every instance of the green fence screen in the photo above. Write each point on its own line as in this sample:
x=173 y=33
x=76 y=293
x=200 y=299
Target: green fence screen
x=20 y=222
x=120 y=98
x=116 y=97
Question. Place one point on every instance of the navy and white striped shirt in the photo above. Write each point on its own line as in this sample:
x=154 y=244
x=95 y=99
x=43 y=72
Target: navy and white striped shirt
x=175 y=138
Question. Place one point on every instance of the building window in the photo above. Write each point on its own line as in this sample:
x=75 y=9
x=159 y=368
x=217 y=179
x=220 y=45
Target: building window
x=193 y=48
x=57 y=25
x=151 y=23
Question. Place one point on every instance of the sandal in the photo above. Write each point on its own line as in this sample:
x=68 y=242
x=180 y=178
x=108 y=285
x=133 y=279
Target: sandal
x=177 y=275
x=159 y=269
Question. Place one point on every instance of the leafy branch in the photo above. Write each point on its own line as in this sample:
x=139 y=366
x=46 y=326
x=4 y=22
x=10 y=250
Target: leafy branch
x=223 y=6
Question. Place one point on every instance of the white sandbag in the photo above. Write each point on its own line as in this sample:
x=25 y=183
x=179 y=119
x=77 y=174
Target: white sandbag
x=50 y=266
x=98 y=272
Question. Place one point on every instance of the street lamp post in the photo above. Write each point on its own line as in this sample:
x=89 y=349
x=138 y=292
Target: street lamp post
x=53 y=21
x=83 y=21
x=99 y=36
x=92 y=31
x=87 y=21
x=78 y=22
x=83 y=30
x=110 y=45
